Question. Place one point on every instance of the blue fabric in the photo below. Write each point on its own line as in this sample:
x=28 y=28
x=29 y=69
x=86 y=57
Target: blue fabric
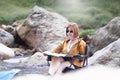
x=8 y=75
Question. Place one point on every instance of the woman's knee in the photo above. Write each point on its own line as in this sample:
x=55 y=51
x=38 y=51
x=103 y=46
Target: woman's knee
x=57 y=59
x=66 y=63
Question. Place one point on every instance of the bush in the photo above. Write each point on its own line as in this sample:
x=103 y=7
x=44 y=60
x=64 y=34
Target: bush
x=11 y=18
x=102 y=19
x=6 y=20
x=93 y=11
x=87 y=32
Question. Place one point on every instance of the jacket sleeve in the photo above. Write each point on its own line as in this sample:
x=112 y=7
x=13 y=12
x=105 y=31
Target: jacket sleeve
x=82 y=46
x=59 y=48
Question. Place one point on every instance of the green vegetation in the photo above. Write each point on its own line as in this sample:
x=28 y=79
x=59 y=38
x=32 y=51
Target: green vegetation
x=88 y=14
x=12 y=10
x=87 y=32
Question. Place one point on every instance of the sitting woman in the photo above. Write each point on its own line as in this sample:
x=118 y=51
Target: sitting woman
x=71 y=46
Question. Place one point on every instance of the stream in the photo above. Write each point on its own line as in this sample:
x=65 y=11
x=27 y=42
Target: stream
x=15 y=63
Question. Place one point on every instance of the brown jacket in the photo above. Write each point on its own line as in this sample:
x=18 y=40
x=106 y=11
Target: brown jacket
x=77 y=48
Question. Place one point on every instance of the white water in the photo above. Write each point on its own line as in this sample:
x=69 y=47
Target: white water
x=15 y=60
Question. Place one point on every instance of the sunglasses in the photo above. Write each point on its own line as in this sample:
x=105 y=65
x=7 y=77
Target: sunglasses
x=69 y=31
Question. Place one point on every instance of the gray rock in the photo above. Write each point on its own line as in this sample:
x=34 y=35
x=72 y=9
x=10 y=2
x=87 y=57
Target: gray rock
x=105 y=35
x=6 y=38
x=42 y=30
x=109 y=55
x=6 y=52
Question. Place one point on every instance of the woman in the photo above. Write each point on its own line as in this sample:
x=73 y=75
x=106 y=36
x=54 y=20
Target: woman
x=71 y=46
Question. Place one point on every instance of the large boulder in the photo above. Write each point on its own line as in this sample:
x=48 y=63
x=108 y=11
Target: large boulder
x=42 y=30
x=105 y=35
x=109 y=55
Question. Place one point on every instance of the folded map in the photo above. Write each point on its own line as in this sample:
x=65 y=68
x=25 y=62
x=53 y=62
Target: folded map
x=55 y=54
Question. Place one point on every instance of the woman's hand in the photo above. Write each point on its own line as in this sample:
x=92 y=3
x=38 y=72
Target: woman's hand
x=44 y=54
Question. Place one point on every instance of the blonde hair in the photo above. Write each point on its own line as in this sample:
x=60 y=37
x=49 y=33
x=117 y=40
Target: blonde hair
x=75 y=28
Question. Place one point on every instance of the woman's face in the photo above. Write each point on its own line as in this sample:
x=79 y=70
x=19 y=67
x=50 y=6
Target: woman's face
x=70 y=33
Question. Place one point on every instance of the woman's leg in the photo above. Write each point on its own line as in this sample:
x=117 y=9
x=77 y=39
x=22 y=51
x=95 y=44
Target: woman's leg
x=55 y=64
x=62 y=67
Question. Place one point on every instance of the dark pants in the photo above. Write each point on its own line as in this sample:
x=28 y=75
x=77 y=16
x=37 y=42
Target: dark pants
x=67 y=69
